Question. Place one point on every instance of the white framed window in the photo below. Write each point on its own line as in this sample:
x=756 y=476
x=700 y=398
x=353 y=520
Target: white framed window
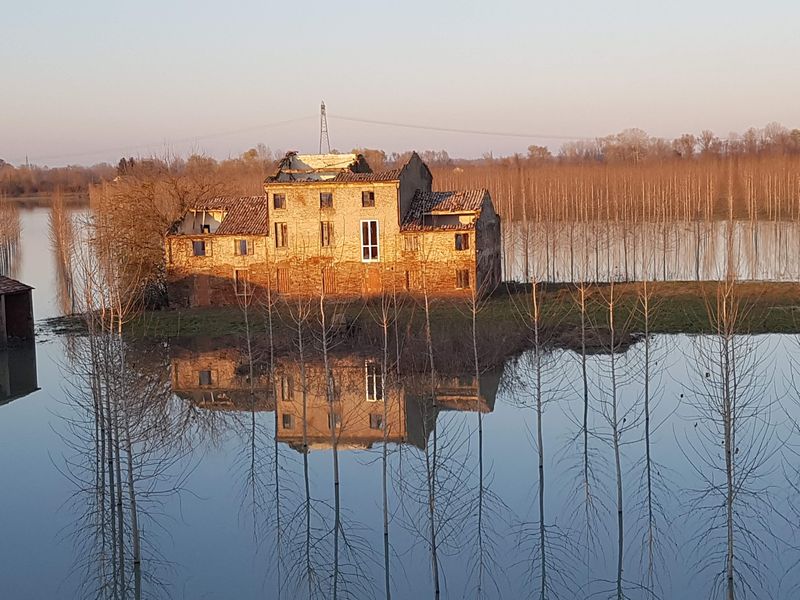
x=281 y=235
x=370 y=245
x=374 y=381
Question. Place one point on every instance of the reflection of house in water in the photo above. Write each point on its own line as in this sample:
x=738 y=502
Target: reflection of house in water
x=218 y=379
x=17 y=372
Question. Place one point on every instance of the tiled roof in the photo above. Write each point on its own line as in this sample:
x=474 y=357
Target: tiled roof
x=426 y=203
x=244 y=214
x=12 y=286
x=350 y=177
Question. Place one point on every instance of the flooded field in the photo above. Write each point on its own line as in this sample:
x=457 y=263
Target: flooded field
x=661 y=467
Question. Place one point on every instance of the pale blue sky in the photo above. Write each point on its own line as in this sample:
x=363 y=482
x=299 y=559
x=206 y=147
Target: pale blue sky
x=88 y=81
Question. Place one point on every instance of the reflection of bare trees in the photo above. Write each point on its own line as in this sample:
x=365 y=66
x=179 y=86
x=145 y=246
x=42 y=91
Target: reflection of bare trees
x=62 y=242
x=538 y=384
x=9 y=238
x=729 y=446
x=126 y=461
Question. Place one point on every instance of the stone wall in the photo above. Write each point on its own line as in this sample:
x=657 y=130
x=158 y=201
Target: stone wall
x=210 y=280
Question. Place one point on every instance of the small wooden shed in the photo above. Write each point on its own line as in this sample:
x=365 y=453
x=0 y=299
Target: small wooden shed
x=16 y=311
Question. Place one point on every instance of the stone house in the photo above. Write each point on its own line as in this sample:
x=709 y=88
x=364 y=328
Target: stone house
x=328 y=225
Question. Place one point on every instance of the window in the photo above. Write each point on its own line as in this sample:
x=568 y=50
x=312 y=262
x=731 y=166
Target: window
x=328 y=280
x=282 y=277
x=374 y=382
x=285 y=388
x=368 y=199
x=288 y=421
x=375 y=421
x=278 y=201
x=198 y=248
x=326 y=234
x=240 y=281
x=462 y=279
x=334 y=420
x=281 y=235
x=205 y=377
x=243 y=247
x=412 y=280
x=326 y=200
x=369 y=241
x=462 y=241
x=411 y=243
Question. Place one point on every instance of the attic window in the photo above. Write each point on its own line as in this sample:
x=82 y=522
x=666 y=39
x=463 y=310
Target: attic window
x=278 y=201
x=462 y=241
x=368 y=199
x=326 y=199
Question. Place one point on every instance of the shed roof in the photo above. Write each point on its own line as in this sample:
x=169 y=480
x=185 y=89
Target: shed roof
x=243 y=214
x=12 y=286
x=432 y=203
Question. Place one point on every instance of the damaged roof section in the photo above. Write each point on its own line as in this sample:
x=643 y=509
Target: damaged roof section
x=431 y=211
x=296 y=167
x=242 y=215
x=350 y=177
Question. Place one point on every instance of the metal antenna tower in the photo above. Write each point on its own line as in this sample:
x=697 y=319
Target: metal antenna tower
x=324 y=141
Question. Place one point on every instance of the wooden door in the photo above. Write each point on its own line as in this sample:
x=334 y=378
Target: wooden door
x=373 y=281
x=202 y=291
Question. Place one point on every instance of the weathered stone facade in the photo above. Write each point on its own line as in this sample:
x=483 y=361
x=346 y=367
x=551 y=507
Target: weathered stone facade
x=335 y=232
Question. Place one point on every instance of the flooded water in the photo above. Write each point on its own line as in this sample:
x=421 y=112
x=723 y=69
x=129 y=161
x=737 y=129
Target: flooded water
x=685 y=251
x=560 y=474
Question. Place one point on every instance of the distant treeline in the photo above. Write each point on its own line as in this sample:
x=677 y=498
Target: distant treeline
x=32 y=180
x=629 y=176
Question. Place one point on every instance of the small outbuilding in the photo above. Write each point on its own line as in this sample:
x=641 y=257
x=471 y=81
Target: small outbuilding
x=16 y=311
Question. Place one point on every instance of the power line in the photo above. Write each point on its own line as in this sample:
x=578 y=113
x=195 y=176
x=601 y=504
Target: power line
x=464 y=131
x=122 y=149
